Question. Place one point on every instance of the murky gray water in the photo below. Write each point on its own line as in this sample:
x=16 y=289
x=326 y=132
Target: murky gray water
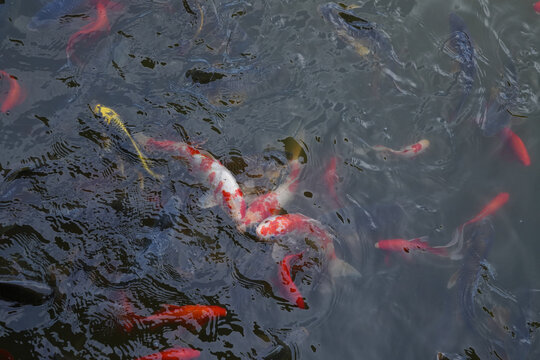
x=249 y=82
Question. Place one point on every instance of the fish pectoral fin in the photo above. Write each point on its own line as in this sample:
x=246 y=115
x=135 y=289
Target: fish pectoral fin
x=453 y=280
x=340 y=268
x=208 y=200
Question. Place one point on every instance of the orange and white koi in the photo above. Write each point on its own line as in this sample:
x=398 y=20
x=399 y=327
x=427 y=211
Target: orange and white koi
x=15 y=94
x=281 y=225
x=100 y=23
x=271 y=203
x=220 y=180
x=516 y=144
x=173 y=354
x=410 y=245
x=290 y=290
x=191 y=317
x=408 y=151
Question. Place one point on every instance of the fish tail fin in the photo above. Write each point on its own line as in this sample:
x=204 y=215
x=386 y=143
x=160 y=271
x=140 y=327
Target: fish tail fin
x=340 y=268
x=454 y=248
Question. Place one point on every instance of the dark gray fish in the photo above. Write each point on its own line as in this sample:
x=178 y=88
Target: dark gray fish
x=24 y=291
x=496 y=115
x=364 y=36
x=462 y=52
x=52 y=12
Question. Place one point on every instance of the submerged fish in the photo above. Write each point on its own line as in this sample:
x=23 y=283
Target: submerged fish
x=462 y=52
x=361 y=34
x=224 y=189
x=298 y=224
x=110 y=116
x=15 y=94
x=495 y=204
x=271 y=203
x=516 y=145
x=191 y=317
x=409 y=151
x=410 y=245
x=52 y=12
x=24 y=291
x=289 y=288
x=173 y=354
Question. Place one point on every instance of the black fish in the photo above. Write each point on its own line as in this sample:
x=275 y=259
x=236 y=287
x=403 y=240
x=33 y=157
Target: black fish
x=24 y=291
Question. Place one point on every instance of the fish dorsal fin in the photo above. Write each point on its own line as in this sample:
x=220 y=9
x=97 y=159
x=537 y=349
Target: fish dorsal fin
x=169 y=307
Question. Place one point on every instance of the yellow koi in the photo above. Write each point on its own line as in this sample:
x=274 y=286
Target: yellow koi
x=109 y=115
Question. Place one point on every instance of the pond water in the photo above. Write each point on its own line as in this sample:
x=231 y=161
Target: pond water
x=87 y=228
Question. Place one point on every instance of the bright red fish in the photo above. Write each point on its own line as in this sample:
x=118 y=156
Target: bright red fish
x=220 y=180
x=410 y=245
x=537 y=7
x=271 y=203
x=517 y=146
x=408 y=151
x=173 y=354
x=100 y=23
x=290 y=290
x=191 y=317
x=281 y=225
x=15 y=94
x=494 y=205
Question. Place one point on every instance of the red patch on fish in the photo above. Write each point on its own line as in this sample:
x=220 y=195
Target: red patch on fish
x=290 y=290
x=173 y=354
x=330 y=177
x=100 y=23
x=536 y=7
x=518 y=147
x=15 y=94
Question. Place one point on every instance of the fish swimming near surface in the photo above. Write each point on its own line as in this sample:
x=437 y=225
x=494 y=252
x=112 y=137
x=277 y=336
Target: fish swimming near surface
x=224 y=189
x=516 y=145
x=297 y=224
x=271 y=203
x=408 y=152
x=361 y=34
x=417 y=244
x=463 y=52
x=111 y=117
x=99 y=24
x=495 y=204
x=289 y=288
x=15 y=94
x=192 y=317
x=52 y=12
x=173 y=354
x=24 y=291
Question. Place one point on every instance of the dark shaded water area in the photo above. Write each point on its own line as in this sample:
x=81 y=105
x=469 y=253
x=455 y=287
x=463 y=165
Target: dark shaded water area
x=83 y=226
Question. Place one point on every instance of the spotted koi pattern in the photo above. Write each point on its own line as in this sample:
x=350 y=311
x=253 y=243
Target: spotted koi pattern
x=408 y=151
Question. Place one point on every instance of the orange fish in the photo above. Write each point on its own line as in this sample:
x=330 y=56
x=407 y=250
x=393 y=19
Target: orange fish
x=517 y=146
x=290 y=290
x=15 y=94
x=173 y=354
x=101 y=23
x=330 y=177
x=408 y=151
x=408 y=245
x=191 y=317
x=494 y=205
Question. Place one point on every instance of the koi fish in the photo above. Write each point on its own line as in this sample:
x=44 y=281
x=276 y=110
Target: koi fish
x=330 y=176
x=224 y=188
x=517 y=146
x=362 y=35
x=100 y=23
x=189 y=316
x=463 y=52
x=109 y=115
x=173 y=354
x=409 y=245
x=280 y=225
x=408 y=151
x=290 y=290
x=536 y=7
x=52 y=12
x=271 y=203
x=15 y=94
x=494 y=205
